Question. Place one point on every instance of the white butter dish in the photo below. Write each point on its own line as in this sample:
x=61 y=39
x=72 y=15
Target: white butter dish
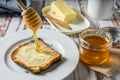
x=79 y=25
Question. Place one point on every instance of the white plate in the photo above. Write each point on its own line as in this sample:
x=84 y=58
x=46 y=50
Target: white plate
x=58 y=71
x=79 y=25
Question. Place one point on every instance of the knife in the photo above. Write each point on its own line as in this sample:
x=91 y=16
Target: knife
x=54 y=20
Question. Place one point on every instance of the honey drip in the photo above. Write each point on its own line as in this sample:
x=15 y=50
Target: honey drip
x=33 y=21
x=37 y=43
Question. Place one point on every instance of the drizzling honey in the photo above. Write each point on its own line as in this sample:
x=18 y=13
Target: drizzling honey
x=37 y=43
x=33 y=21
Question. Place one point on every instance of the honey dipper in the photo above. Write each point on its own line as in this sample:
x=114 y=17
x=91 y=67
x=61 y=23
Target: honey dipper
x=32 y=20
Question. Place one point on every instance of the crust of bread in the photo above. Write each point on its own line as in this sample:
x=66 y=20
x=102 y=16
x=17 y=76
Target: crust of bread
x=35 y=69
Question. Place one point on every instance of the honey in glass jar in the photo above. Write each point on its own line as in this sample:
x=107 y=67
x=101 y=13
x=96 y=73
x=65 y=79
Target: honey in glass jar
x=95 y=46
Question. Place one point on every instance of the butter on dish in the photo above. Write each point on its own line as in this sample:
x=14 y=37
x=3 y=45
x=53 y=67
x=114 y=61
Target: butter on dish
x=64 y=12
x=60 y=19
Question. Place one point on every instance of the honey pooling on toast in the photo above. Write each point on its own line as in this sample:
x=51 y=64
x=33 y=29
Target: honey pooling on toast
x=32 y=20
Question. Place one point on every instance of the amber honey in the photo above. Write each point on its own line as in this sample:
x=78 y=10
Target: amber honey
x=34 y=22
x=95 y=49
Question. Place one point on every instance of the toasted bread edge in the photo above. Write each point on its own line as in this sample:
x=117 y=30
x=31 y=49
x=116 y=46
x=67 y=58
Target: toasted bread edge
x=34 y=69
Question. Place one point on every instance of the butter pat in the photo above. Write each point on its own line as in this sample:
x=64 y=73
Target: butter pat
x=63 y=11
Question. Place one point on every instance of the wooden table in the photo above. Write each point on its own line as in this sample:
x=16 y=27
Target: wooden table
x=10 y=24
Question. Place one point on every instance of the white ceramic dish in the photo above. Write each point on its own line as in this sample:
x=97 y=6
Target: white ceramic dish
x=79 y=25
x=63 y=44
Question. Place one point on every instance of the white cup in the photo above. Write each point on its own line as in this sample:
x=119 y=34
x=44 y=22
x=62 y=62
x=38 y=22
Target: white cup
x=101 y=9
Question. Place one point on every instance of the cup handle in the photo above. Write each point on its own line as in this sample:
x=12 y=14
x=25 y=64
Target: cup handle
x=116 y=9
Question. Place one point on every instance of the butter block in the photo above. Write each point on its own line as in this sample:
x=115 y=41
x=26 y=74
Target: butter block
x=63 y=11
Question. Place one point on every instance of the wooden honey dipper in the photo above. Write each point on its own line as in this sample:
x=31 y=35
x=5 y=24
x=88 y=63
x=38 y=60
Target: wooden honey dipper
x=32 y=20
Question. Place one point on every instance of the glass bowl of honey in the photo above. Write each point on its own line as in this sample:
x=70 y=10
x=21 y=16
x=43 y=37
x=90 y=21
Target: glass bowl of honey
x=94 y=46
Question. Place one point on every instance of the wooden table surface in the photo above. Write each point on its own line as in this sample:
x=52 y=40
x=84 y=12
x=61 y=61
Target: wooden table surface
x=10 y=24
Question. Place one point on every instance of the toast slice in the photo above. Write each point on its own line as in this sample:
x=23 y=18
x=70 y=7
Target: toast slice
x=26 y=56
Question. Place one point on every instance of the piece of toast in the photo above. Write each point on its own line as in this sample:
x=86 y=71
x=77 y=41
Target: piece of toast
x=26 y=56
